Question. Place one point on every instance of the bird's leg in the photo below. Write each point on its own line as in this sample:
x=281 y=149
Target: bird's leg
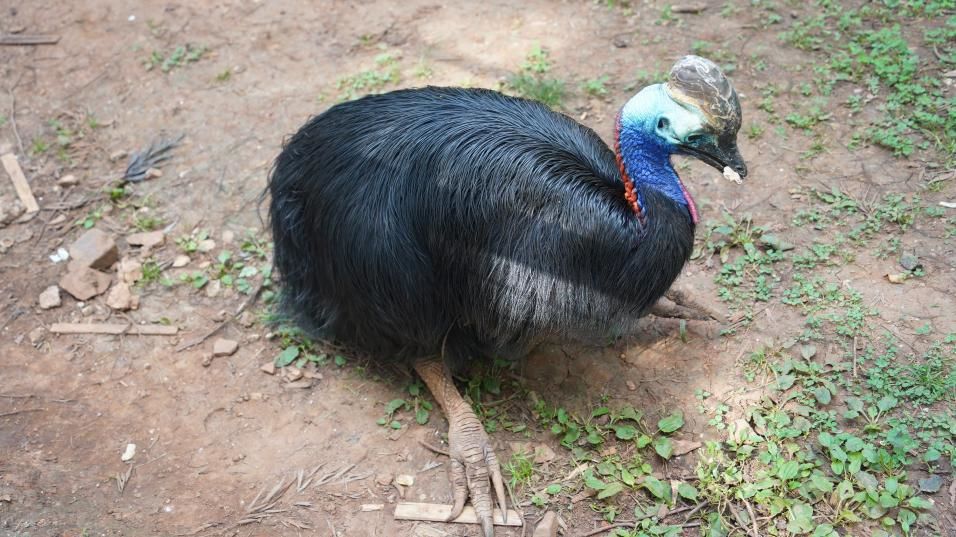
x=677 y=305
x=473 y=462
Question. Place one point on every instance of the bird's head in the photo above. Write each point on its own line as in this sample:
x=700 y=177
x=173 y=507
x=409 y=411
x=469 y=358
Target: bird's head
x=696 y=112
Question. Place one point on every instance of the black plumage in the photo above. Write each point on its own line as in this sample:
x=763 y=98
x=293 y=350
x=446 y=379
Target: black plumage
x=463 y=217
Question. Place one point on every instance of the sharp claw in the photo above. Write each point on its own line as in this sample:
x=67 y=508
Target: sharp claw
x=488 y=527
x=459 y=488
x=495 y=470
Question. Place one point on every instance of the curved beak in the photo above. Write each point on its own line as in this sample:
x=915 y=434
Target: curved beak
x=718 y=152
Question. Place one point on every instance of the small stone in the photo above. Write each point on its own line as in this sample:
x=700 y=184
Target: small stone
x=543 y=454
x=146 y=239
x=224 y=347
x=95 y=249
x=897 y=278
x=121 y=298
x=268 y=368
x=228 y=237
x=10 y=210
x=68 y=180
x=50 y=298
x=299 y=384
x=548 y=527
x=909 y=261
x=116 y=155
x=404 y=480
x=246 y=319
x=59 y=255
x=630 y=385
x=293 y=373
x=153 y=173
x=129 y=453
x=129 y=270
x=206 y=245
x=36 y=335
x=683 y=447
x=213 y=289
x=181 y=261
x=85 y=283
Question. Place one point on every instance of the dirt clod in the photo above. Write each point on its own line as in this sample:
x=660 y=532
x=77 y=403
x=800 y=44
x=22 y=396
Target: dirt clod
x=84 y=283
x=548 y=527
x=50 y=298
x=224 y=347
x=268 y=368
x=95 y=249
x=68 y=180
x=146 y=239
x=121 y=298
x=129 y=270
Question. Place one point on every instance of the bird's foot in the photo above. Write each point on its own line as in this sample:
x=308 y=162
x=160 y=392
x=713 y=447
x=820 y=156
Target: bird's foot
x=677 y=305
x=474 y=468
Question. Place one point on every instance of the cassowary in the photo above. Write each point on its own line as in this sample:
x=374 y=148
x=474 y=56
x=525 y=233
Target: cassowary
x=438 y=225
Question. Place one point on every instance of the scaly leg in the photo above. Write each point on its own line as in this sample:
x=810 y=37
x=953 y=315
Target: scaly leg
x=473 y=461
x=676 y=305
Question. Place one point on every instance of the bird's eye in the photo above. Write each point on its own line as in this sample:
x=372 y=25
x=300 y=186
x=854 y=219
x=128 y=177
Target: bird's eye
x=662 y=123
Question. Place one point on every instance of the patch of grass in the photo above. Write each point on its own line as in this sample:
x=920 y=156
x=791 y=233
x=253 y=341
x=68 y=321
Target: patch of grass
x=91 y=218
x=385 y=73
x=867 y=46
x=809 y=119
x=178 y=57
x=754 y=131
x=596 y=87
x=39 y=146
x=519 y=469
x=190 y=243
x=147 y=222
x=532 y=82
x=152 y=272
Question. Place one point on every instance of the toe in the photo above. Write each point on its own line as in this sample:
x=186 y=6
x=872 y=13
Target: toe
x=496 y=479
x=459 y=484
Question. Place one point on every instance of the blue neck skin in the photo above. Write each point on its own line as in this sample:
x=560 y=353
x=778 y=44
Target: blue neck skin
x=647 y=159
x=646 y=153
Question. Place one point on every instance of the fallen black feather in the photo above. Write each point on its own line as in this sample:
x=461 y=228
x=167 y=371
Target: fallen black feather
x=150 y=157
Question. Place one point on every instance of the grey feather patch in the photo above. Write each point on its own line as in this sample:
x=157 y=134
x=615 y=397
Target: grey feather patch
x=699 y=82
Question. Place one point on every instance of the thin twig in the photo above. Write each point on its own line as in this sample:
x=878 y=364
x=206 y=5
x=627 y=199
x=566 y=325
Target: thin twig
x=13 y=113
x=608 y=527
x=433 y=448
x=5 y=414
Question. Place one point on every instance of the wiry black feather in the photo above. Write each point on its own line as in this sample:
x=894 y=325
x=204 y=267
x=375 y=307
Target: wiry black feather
x=409 y=219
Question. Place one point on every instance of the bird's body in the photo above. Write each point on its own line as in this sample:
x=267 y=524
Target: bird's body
x=469 y=218
x=442 y=223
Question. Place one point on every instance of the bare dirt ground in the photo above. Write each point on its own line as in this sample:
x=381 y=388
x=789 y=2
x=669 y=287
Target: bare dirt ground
x=210 y=438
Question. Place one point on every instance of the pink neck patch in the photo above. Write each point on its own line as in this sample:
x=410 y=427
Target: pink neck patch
x=690 y=202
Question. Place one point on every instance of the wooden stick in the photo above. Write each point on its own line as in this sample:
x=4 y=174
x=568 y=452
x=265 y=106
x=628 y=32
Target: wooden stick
x=29 y=39
x=114 y=329
x=693 y=10
x=20 y=182
x=436 y=512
